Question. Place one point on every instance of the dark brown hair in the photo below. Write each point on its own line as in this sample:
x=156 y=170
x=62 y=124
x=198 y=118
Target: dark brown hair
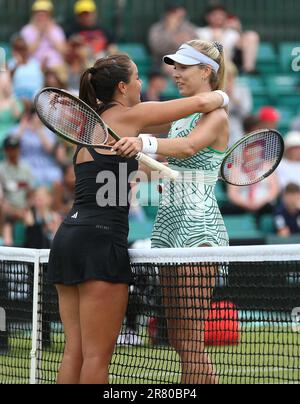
x=99 y=83
x=292 y=188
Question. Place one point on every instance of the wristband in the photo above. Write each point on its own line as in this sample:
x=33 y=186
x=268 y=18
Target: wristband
x=225 y=98
x=150 y=144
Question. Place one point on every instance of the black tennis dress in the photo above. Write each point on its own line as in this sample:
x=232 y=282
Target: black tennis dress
x=92 y=242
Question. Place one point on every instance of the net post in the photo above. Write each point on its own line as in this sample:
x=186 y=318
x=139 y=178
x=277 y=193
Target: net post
x=36 y=328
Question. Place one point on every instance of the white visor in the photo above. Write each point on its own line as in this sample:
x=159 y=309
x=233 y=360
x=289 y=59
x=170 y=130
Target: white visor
x=189 y=56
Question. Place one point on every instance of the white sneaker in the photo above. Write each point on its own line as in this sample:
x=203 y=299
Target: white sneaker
x=132 y=338
x=122 y=339
x=129 y=337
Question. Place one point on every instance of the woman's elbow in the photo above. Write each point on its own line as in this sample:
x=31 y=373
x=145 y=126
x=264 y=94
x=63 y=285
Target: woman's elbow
x=187 y=151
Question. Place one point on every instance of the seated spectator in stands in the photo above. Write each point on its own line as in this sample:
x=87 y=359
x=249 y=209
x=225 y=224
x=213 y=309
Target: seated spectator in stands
x=241 y=47
x=10 y=108
x=287 y=215
x=157 y=83
x=98 y=39
x=166 y=36
x=17 y=181
x=45 y=39
x=77 y=59
x=241 y=103
x=27 y=76
x=269 y=117
x=37 y=147
x=289 y=169
x=64 y=192
x=251 y=124
x=53 y=78
x=40 y=220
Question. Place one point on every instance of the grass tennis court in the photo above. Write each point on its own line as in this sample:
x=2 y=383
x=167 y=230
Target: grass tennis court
x=270 y=355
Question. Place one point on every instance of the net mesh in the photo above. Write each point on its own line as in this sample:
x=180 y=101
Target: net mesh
x=70 y=118
x=254 y=158
x=225 y=316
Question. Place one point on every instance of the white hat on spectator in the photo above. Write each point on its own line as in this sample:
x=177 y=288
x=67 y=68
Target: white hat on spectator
x=292 y=140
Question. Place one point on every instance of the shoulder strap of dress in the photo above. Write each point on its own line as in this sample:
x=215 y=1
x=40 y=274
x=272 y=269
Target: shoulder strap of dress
x=76 y=154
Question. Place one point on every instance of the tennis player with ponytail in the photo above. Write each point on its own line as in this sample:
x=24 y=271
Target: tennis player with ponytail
x=196 y=145
x=89 y=262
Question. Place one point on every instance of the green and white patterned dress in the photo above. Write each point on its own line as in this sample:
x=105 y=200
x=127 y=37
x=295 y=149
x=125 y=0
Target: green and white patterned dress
x=189 y=214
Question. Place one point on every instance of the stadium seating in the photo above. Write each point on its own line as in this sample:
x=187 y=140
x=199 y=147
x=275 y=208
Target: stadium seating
x=267 y=61
x=139 y=54
x=272 y=240
x=266 y=224
x=7 y=48
x=140 y=230
x=242 y=227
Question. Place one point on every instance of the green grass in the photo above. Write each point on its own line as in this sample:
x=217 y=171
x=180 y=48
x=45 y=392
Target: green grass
x=269 y=355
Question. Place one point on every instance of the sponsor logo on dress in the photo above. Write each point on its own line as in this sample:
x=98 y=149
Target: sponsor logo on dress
x=75 y=216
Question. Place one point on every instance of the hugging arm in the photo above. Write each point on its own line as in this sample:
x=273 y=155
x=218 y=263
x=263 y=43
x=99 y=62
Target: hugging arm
x=206 y=133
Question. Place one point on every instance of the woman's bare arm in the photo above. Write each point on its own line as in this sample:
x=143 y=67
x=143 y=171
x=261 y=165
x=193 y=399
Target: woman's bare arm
x=205 y=134
x=208 y=132
x=149 y=114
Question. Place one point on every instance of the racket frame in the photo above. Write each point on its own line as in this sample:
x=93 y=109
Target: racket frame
x=236 y=145
x=141 y=157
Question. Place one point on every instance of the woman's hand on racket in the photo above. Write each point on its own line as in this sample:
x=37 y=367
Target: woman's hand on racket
x=128 y=147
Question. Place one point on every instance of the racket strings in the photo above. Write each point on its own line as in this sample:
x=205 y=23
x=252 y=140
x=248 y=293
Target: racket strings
x=70 y=118
x=253 y=159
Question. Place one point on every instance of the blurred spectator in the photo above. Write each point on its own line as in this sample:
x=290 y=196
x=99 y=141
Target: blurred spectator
x=53 y=78
x=295 y=126
x=258 y=198
x=241 y=103
x=10 y=108
x=17 y=181
x=77 y=59
x=41 y=221
x=37 y=149
x=27 y=76
x=157 y=83
x=98 y=39
x=287 y=215
x=251 y=123
x=45 y=39
x=167 y=35
x=269 y=117
x=241 y=47
x=64 y=191
x=289 y=169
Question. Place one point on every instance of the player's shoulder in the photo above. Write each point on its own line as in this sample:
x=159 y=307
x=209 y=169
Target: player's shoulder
x=220 y=116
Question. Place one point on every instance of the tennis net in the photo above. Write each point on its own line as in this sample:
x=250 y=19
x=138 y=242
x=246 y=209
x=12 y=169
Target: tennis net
x=210 y=315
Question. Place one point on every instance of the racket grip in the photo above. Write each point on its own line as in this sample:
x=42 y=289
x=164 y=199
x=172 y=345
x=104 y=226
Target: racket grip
x=155 y=165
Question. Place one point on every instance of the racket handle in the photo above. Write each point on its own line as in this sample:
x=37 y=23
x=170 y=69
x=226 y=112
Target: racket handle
x=155 y=165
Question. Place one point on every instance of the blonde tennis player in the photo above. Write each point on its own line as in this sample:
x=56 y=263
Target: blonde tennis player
x=188 y=214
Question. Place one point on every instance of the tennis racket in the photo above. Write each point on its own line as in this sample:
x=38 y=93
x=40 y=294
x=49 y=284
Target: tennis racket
x=75 y=121
x=252 y=159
